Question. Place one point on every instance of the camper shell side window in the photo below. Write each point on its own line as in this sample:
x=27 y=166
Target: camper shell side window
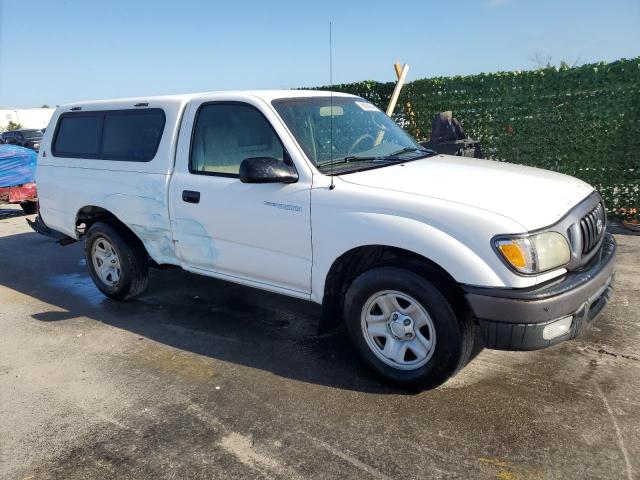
x=120 y=135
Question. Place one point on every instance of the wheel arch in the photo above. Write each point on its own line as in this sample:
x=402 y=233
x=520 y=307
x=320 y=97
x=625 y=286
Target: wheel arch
x=91 y=214
x=355 y=261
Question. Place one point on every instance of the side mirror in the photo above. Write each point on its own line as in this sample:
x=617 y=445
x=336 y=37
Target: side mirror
x=266 y=170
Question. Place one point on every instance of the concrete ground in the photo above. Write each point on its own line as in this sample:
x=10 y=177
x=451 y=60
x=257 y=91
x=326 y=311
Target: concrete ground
x=202 y=379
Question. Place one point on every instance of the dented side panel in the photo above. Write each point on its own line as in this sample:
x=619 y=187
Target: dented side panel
x=140 y=203
x=135 y=192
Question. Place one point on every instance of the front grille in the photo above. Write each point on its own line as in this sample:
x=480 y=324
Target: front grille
x=592 y=228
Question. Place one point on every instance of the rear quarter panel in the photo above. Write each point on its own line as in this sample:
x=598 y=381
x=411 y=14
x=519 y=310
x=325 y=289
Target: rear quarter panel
x=135 y=192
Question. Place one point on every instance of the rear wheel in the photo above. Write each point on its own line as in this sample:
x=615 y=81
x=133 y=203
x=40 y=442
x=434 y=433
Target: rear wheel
x=117 y=262
x=405 y=329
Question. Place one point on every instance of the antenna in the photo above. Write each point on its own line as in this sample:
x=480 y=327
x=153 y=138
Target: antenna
x=332 y=186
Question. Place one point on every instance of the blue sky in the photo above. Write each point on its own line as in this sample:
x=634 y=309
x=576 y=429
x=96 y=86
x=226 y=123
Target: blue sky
x=57 y=51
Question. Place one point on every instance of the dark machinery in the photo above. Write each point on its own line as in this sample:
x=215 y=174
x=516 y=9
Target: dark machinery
x=448 y=137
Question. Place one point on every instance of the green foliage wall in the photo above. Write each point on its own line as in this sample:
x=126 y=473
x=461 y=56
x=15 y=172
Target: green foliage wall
x=582 y=121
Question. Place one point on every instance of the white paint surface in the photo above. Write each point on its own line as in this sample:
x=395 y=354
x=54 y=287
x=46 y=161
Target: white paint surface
x=444 y=208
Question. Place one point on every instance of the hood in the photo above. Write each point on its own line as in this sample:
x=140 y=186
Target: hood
x=533 y=197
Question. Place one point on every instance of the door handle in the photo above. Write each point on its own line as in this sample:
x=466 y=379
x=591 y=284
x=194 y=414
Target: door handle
x=190 y=196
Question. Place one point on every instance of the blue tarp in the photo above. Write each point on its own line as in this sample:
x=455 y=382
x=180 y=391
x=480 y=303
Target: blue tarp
x=17 y=165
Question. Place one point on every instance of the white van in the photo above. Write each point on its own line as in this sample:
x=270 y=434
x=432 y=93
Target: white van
x=323 y=197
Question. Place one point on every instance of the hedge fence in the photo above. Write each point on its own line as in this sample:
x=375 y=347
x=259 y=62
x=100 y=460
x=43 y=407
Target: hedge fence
x=582 y=121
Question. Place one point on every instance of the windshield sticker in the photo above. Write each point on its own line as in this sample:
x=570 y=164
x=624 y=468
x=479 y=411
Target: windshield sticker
x=367 y=107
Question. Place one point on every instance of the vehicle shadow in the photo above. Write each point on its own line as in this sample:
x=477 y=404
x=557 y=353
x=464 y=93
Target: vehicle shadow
x=198 y=314
x=619 y=229
x=11 y=213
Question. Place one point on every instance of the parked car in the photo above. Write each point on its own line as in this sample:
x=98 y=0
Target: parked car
x=323 y=197
x=28 y=138
x=17 y=175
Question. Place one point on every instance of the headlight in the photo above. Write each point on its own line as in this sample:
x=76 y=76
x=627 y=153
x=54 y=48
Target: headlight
x=535 y=253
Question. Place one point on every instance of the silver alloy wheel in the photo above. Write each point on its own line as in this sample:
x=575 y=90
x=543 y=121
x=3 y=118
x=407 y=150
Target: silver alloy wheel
x=398 y=330
x=106 y=262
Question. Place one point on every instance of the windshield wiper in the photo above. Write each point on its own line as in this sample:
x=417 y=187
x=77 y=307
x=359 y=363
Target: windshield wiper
x=353 y=159
x=409 y=150
x=391 y=158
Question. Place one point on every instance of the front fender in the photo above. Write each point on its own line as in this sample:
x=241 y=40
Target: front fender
x=385 y=229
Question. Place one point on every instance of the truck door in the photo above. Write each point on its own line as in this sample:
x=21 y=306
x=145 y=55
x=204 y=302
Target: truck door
x=256 y=234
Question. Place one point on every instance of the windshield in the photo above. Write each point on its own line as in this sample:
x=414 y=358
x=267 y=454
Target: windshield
x=30 y=134
x=361 y=133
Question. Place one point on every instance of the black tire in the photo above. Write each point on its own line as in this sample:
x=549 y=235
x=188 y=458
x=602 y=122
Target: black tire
x=29 y=207
x=454 y=333
x=134 y=267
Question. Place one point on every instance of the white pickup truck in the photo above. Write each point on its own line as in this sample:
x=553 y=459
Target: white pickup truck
x=323 y=197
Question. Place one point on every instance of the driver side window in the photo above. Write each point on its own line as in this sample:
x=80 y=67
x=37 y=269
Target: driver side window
x=225 y=134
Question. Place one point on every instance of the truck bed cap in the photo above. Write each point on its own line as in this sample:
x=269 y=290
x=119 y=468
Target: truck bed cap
x=266 y=95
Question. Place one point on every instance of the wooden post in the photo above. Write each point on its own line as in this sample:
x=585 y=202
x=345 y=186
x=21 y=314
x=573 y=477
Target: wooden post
x=411 y=115
x=398 y=69
x=401 y=73
x=396 y=90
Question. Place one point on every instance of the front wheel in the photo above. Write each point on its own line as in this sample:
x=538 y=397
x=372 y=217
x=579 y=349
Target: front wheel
x=404 y=328
x=117 y=262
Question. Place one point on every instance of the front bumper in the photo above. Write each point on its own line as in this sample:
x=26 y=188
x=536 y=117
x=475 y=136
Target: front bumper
x=515 y=319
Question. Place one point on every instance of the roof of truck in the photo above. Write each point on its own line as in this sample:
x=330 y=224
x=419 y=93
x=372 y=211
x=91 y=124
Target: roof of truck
x=266 y=95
